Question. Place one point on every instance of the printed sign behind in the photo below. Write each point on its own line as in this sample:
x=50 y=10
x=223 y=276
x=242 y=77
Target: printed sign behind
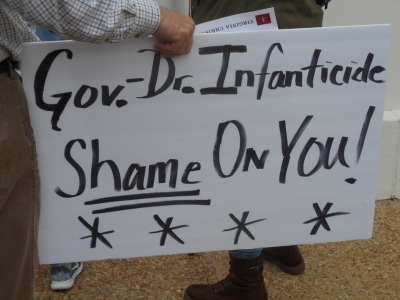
x=263 y=19
x=253 y=139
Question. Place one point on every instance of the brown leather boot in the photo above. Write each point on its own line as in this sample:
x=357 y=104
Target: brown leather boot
x=245 y=281
x=288 y=258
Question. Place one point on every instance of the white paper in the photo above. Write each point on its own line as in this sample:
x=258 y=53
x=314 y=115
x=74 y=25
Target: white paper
x=263 y=19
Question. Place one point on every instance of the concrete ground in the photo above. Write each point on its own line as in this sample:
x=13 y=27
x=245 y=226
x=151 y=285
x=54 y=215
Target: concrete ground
x=366 y=269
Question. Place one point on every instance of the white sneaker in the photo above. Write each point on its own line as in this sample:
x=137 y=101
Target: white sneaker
x=63 y=275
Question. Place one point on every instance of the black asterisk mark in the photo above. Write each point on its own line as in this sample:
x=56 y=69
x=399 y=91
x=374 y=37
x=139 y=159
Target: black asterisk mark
x=167 y=229
x=322 y=216
x=95 y=233
x=242 y=226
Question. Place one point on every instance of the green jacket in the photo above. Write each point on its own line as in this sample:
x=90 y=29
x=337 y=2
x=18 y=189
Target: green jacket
x=289 y=13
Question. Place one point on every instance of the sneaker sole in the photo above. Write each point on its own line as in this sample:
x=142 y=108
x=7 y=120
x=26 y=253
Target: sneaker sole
x=66 y=285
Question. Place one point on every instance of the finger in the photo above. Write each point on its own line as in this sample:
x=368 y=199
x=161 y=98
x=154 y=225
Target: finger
x=175 y=49
x=182 y=47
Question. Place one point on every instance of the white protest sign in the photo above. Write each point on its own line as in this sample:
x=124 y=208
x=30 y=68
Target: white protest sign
x=254 y=139
x=263 y=19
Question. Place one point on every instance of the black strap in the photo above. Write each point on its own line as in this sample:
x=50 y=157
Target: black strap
x=6 y=65
x=323 y=3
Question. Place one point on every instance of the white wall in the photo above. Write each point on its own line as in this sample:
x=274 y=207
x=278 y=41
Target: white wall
x=181 y=6
x=363 y=12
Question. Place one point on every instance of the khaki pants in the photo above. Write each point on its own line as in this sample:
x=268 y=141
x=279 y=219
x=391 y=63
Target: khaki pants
x=19 y=193
x=289 y=13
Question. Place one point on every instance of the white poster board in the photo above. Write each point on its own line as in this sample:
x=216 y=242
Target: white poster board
x=253 y=139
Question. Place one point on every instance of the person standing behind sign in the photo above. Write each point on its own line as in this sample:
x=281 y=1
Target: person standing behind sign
x=81 y=20
x=245 y=279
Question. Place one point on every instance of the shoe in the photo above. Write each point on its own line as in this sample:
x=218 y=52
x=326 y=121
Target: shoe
x=288 y=258
x=245 y=281
x=63 y=275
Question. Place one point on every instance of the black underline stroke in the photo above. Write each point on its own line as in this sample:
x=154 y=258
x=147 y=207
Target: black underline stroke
x=142 y=196
x=152 y=204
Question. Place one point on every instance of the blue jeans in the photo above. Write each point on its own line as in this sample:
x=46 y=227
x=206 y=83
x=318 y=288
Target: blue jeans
x=46 y=35
x=246 y=253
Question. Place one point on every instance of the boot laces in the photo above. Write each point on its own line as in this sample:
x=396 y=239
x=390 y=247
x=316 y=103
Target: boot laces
x=224 y=283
